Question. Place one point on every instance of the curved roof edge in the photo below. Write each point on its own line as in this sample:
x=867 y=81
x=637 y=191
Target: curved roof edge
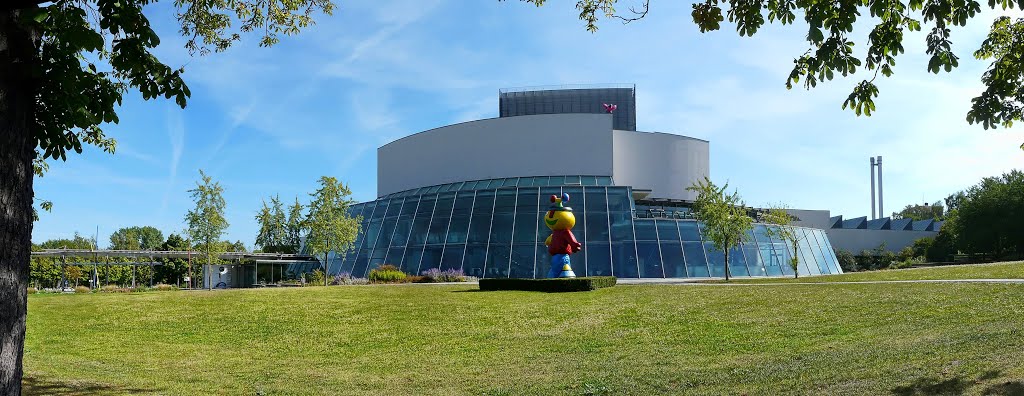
x=665 y=133
x=488 y=119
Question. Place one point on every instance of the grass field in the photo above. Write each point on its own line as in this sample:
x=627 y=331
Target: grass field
x=875 y=339
x=1007 y=270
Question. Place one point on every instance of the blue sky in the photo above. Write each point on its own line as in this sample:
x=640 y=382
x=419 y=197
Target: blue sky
x=266 y=121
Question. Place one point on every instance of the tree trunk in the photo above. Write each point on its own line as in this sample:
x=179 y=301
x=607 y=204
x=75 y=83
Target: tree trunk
x=18 y=57
x=796 y=268
x=727 y=263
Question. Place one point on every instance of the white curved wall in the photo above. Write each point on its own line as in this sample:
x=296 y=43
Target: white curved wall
x=536 y=145
x=662 y=162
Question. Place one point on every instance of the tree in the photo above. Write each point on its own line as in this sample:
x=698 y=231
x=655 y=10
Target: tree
x=206 y=223
x=330 y=226
x=273 y=234
x=924 y=211
x=294 y=227
x=64 y=68
x=830 y=30
x=990 y=215
x=173 y=270
x=723 y=215
x=784 y=230
x=136 y=238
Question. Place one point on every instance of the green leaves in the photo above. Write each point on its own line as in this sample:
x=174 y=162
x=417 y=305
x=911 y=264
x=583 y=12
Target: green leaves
x=206 y=222
x=1002 y=102
x=707 y=15
x=861 y=100
x=726 y=223
x=330 y=227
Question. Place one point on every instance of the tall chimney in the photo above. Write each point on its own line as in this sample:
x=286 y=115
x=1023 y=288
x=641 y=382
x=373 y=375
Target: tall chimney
x=879 y=163
x=872 y=188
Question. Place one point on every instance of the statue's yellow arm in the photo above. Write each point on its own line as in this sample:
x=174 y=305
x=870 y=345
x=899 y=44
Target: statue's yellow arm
x=547 y=242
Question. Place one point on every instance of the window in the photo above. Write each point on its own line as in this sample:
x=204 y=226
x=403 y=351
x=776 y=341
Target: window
x=588 y=180
x=473 y=264
x=457 y=231
x=667 y=230
x=650 y=259
x=596 y=199
x=451 y=258
x=497 y=261
x=621 y=226
x=599 y=260
x=672 y=259
x=619 y=199
x=688 y=231
x=624 y=262
x=716 y=259
x=523 y=257
x=645 y=230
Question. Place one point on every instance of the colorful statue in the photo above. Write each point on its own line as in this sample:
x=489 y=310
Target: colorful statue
x=561 y=243
x=609 y=108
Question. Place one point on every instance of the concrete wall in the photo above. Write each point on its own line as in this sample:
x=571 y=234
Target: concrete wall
x=536 y=145
x=810 y=218
x=662 y=162
x=856 y=240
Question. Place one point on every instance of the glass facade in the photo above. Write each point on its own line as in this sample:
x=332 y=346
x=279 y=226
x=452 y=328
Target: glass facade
x=492 y=228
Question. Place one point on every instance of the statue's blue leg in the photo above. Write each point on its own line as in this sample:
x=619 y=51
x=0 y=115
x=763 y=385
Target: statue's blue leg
x=556 y=265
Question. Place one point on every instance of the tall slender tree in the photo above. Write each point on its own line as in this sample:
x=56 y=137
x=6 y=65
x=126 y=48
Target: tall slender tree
x=64 y=68
x=725 y=219
x=273 y=234
x=782 y=228
x=206 y=222
x=295 y=227
x=330 y=226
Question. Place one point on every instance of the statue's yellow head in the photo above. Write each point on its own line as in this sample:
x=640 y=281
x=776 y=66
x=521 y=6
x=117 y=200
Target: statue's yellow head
x=560 y=217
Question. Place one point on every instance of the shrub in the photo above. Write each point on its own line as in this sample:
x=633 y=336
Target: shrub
x=316 y=278
x=551 y=285
x=81 y=289
x=905 y=254
x=910 y=262
x=165 y=287
x=921 y=246
x=31 y=290
x=110 y=289
x=386 y=274
x=846 y=261
x=451 y=275
x=343 y=278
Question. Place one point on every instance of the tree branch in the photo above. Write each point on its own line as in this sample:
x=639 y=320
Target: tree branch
x=11 y=5
x=637 y=14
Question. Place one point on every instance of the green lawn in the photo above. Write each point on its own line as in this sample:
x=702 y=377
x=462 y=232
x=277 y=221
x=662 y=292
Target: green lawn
x=1007 y=270
x=878 y=339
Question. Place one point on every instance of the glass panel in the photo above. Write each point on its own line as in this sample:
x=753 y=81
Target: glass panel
x=812 y=239
x=737 y=263
x=444 y=204
x=622 y=226
x=716 y=259
x=467 y=186
x=510 y=182
x=372 y=231
x=497 y=261
x=479 y=228
x=452 y=257
x=597 y=201
x=528 y=199
x=807 y=252
x=426 y=205
x=411 y=261
x=431 y=259
x=688 y=231
x=525 y=182
x=418 y=235
x=495 y=183
x=396 y=204
x=501 y=228
x=556 y=180
x=597 y=226
x=588 y=180
x=644 y=230
x=786 y=250
x=438 y=228
x=394 y=256
x=381 y=208
x=457 y=229
x=387 y=229
x=359 y=270
x=571 y=180
x=432 y=189
x=463 y=203
x=540 y=181
x=604 y=181
x=527 y=217
x=599 y=261
x=650 y=259
x=401 y=235
x=522 y=261
x=473 y=264
x=672 y=259
x=830 y=252
x=505 y=201
x=772 y=259
x=410 y=206
x=667 y=231
x=619 y=199
x=624 y=259
x=761 y=234
x=543 y=263
x=755 y=266
x=484 y=202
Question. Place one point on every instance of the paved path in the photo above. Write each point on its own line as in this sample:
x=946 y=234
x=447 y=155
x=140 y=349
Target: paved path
x=702 y=282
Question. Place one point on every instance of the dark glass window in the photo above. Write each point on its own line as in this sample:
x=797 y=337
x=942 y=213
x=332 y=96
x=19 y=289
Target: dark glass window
x=501 y=228
x=497 y=261
x=394 y=256
x=523 y=257
x=597 y=226
x=473 y=264
x=494 y=183
x=525 y=182
x=463 y=203
x=396 y=204
x=773 y=259
x=431 y=259
x=452 y=257
x=382 y=208
x=418 y=235
x=624 y=259
x=540 y=181
x=505 y=201
x=410 y=206
x=545 y=197
x=619 y=199
x=696 y=263
x=438 y=228
x=688 y=231
x=668 y=231
x=622 y=226
x=650 y=259
x=444 y=204
x=599 y=261
x=401 y=235
x=644 y=230
x=597 y=201
x=387 y=229
x=359 y=270
x=556 y=180
x=457 y=229
x=604 y=181
x=672 y=259
x=716 y=259
x=737 y=263
x=372 y=231
x=484 y=202
x=510 y=182
x=426 y=205
x=471 y=185
x=588 y=181
x=479 y=228
x=411 y=260
x=431 y=190
x=570 y=180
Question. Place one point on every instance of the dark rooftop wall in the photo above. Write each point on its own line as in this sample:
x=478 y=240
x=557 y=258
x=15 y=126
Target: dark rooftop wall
x=560 y=101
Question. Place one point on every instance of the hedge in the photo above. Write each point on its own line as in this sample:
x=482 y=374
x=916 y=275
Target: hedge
x=552 y=285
